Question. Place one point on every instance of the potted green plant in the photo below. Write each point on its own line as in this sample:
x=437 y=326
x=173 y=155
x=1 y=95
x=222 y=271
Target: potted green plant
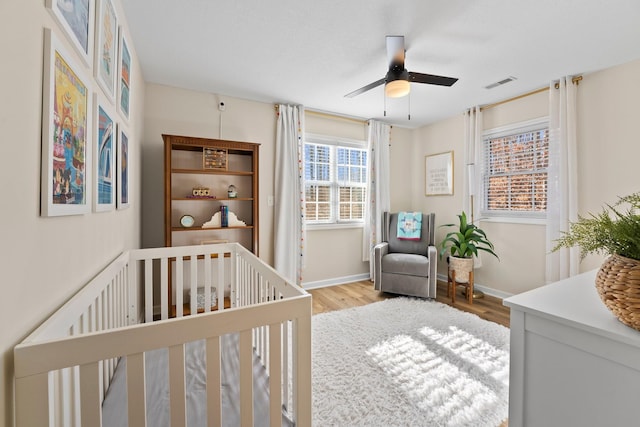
x=614 y=232
x=463 y=244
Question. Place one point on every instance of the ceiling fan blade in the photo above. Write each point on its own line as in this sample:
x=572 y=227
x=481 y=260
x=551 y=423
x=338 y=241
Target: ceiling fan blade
x=431 y=79
x=365 y=88
x=395 y=51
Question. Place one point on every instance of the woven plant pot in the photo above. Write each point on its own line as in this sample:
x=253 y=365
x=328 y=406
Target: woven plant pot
x=618 y=284
x=462 y=267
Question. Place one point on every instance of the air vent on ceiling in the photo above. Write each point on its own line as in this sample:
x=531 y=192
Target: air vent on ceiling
x=501 y=82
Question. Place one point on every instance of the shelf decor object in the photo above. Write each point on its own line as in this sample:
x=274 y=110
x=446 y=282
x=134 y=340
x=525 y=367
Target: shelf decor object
x=213 y=158
x=187 y=221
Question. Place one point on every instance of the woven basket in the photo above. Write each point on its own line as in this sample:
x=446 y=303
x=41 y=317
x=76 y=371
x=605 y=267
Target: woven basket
x=462 y=267
x=618 y=284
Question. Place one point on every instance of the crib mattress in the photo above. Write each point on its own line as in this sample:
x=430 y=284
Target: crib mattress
x=114 y=408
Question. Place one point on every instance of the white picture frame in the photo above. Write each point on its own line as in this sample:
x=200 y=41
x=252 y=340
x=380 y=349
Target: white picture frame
x=76 y=18
x=106 y=48
x=439 y=174
x=104 y=155
x=124 y=75
x=123 y=174
x=66 y=133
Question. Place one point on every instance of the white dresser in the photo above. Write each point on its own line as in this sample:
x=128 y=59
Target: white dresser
x=572 y=362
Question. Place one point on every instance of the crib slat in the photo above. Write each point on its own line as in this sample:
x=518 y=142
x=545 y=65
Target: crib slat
x=177 y=386
x=246 y=379
x=214 y=381
x=302 y=370
x=164 y=288
x=90 y=407
x=136 y=395
x=179 y=286
x=148 y=290
x=221 y=284
x=34 y=388
x=134 y=303
x=193 y=304
x=207 y=283
x=275 y=374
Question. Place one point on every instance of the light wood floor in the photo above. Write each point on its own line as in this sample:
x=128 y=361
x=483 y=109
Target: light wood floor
x=361 y=293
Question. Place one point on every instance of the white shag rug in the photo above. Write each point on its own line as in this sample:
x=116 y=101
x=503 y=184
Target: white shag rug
x=409 y=362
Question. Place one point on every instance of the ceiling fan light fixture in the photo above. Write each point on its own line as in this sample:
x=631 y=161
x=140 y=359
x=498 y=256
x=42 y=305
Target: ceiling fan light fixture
x=397 y=88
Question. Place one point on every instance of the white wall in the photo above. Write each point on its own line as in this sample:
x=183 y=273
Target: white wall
x=44 y=261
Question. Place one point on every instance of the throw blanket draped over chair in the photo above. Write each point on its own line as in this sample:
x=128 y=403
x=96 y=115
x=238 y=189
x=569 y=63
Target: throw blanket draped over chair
x=406 y=266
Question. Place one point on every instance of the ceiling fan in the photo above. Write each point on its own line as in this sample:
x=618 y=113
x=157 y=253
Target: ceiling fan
x=396 y=82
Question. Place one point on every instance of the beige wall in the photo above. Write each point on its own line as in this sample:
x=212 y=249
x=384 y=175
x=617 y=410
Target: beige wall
x=334 y=255
x=607 y=155
x=176 y=111
x=400 y=163
x=44 y=261
x=608 y=145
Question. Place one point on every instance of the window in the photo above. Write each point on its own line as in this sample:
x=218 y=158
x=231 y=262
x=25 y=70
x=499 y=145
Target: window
x=335 y=173
x=515 y=165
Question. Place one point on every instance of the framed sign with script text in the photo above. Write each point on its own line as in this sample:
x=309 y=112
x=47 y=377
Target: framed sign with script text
x=439 y=174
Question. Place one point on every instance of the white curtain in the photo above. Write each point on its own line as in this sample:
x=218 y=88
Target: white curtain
x=472 y=188
x=378 y=198
x=289 y=215
x=562 y=178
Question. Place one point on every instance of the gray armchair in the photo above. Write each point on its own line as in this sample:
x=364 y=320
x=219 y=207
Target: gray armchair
x=406 y=267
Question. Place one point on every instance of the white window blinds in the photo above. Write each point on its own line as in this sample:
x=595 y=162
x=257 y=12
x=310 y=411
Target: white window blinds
x=515 y=171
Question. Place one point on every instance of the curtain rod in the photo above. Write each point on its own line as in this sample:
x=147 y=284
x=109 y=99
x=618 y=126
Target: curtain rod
x=330 y=116
x=575 y=80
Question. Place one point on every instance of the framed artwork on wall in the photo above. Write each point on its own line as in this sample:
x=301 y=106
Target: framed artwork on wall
x=123 y=169
x=439 y=174
x=106 y=65
x=124 y=76
x=66 y=119
x=104 y=158
x=76 y=17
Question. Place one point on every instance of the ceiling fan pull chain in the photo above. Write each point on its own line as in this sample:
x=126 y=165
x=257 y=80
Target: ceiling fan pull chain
x=409 y=100
x=384 y=96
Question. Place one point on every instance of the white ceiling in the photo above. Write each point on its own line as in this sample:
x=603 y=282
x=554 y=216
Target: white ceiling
x=313 y=52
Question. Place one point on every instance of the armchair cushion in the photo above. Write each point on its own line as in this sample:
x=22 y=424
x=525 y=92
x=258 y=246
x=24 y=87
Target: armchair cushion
x=411 y=264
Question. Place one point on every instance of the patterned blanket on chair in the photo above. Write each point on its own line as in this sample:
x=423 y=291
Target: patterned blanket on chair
x=409 y=225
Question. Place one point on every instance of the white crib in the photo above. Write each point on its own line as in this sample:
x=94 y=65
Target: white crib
x=64 y=369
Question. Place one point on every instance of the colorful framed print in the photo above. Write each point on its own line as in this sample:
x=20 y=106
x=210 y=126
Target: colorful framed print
x=104 y=157
x=76 y=18
x=439 y=174
x=106 y=66
x=66 y=119
x=124 y=85
x=124 y=192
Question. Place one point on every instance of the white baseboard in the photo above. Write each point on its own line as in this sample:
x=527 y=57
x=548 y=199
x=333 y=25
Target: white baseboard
x=335 y=281
x=365 y=276
x=487 y=290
